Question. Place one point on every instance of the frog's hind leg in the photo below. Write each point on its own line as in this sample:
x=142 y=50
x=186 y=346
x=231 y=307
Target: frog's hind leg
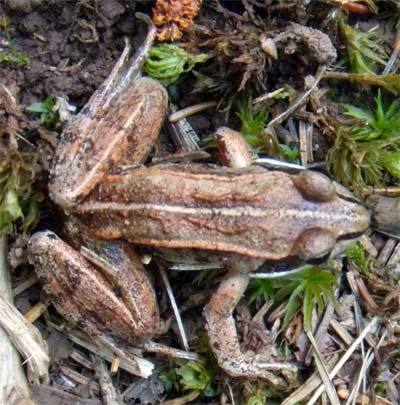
x=223 y=334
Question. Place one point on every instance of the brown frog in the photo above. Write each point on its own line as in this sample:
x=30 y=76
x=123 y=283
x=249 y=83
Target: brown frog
x=242 y=217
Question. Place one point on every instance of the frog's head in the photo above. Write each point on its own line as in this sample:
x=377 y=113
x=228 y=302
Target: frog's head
x=343 y=221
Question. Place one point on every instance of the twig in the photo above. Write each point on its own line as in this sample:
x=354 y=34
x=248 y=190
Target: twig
x=268 y=96
x=27 y=339
x=323 y=372
x=13 y=385
x=81 y=359
x=29 y=282
x=110 y=394
x=79 y=378
x=345 y=357
x=305 y=138
x=35 y=312
x=299 y=101
x=395 y=52
x=191 y=110
x=183 y=400
x=341 y=332
x=80 y=339
x=153 y=347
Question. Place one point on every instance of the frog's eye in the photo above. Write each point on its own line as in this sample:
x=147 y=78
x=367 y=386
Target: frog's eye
x=314 y=243
x=314 y=186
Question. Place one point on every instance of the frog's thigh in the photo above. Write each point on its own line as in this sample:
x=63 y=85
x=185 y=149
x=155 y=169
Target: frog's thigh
x=81 y=293
x=223 y=334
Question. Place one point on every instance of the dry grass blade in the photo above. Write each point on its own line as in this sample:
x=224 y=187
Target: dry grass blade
x=345 y=357
x=390 y=82
x=80 y=339
x=323 y=372
x=395 y=52
x=368 y=359
x=321 y=332
x=301 y=100
x=175 y=309
x=183 y=400
x=309 y=386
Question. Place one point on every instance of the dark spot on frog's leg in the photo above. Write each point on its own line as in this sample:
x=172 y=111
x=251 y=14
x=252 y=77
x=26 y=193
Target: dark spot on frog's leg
x=314 y=186
x=314 y=243
x=217 y=346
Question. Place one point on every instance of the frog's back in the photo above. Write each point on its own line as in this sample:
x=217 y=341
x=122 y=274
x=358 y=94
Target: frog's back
x=253 y=213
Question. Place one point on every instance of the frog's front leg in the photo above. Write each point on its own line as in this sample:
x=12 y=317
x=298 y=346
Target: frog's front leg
x=236 y=153
x=223 y=335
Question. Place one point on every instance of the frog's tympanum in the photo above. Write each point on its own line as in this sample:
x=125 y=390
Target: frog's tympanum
x=243 y=217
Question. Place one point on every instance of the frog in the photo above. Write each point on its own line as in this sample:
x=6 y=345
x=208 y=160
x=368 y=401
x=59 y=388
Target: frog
x=242 y=216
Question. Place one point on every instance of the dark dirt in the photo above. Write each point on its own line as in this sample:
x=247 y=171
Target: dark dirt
x=71 y=46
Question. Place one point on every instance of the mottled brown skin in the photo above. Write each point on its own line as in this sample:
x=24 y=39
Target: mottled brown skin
x=251 y=212
x=84 y=294
x=129 y=126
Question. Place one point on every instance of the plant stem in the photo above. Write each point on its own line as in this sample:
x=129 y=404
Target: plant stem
x=13 y=384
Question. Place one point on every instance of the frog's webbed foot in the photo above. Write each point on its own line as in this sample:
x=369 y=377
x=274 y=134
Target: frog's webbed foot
x=223 y=335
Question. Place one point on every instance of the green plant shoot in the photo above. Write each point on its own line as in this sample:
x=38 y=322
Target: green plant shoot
x=309 y=289
x=10 y=54
x=167 y=62
x=359 y=257
x=364 y=49
x=45 y=109
x=362 y=153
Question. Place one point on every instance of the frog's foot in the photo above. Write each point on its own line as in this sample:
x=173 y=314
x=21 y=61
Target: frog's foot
x=223 y=335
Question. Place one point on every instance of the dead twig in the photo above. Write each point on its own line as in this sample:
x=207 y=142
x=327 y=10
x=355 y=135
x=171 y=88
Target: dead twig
x=371 y=325
x=13 y=385
x=301 y=100
x=191 y=110
x=27 y=339
x=109 y=393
